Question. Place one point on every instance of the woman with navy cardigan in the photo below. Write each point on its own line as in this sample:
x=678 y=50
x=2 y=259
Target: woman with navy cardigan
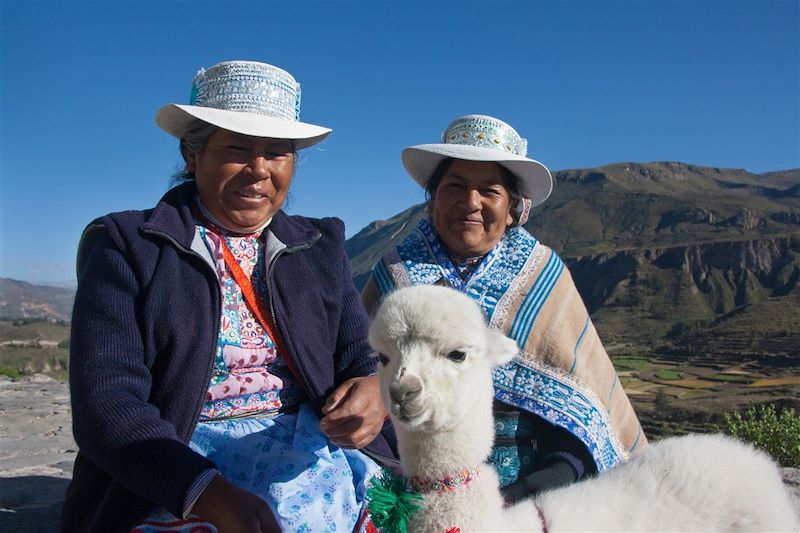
x=219 y=370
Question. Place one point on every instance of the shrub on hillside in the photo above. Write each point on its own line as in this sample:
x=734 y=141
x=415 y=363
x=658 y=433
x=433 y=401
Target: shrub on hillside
x=776 y=434
x=687 y=328
x=9 y=372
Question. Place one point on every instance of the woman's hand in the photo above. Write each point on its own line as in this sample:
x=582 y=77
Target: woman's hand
x=234 y=510
x=354 y=413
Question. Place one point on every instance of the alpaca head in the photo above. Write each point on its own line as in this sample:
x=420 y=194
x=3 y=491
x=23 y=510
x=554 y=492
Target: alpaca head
x=436 y=355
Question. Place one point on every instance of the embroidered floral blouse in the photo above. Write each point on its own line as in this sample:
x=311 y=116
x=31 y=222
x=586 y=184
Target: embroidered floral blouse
x=248 y=377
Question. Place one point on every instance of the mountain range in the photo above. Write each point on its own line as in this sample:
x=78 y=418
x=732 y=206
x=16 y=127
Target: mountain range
x=687 y=261
x=20 y=299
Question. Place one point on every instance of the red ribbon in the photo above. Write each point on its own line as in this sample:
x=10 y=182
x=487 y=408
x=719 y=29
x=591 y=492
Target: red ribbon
x=257 y=306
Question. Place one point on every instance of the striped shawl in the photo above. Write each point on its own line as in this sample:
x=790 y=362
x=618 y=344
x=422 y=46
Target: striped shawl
x=562 y=372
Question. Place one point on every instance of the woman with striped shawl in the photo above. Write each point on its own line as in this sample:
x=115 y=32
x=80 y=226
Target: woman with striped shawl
x=560 y=411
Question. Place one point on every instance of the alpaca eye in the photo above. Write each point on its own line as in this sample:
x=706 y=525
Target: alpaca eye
x=383 y=359
x=457 y=356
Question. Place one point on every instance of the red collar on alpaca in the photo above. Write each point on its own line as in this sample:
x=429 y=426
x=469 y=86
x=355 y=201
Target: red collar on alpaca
x=447 y=484
x=450 y=483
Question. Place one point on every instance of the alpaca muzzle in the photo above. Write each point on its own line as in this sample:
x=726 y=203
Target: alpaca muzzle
x=406 y=397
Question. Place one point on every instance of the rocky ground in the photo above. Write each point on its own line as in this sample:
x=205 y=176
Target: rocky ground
x=37 y=451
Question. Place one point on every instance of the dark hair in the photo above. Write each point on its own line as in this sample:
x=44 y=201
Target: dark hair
x=508 y=177
x=193 y=141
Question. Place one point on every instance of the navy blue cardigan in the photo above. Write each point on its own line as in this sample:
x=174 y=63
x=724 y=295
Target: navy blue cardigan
x=144 y=333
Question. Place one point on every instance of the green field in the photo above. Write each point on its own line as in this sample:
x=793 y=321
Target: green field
x=680 y=397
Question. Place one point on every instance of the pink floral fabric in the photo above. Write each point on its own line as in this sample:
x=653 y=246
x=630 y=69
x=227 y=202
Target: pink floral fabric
x=249 y=377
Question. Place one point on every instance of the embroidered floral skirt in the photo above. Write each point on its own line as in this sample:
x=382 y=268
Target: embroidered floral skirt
x=310 y=484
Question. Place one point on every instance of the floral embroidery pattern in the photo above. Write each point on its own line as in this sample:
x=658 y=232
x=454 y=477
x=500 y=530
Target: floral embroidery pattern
x=248 y=376
x=310 y=484
x=562 y=402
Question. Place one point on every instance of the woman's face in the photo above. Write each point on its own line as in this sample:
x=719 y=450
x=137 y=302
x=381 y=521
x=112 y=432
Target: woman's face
x=242 y=180
x=470 y=208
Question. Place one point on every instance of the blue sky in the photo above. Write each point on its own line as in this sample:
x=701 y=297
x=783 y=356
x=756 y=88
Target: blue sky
x=713 y=83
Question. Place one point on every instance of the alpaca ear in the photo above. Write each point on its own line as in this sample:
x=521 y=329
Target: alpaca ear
x=501 y=349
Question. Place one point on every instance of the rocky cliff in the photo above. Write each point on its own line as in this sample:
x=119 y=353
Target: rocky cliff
x=715 y=299
x=666 y=254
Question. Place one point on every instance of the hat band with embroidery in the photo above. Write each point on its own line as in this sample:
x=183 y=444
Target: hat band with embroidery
x=486 y=132
x=248 y=86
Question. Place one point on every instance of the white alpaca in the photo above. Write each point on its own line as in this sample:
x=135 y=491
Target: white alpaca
x=436 y=358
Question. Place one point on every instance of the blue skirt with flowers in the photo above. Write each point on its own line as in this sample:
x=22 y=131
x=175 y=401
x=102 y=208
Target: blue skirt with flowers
x=310 y=484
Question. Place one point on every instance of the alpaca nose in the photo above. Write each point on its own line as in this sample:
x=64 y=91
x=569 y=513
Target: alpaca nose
x=406 y=389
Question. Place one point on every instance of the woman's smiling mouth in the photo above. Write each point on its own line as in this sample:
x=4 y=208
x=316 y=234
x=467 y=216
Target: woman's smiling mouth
x=251 y=195
x=469 y=221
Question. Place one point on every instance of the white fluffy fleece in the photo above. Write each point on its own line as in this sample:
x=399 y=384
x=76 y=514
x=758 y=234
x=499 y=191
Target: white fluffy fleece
x=441 y=406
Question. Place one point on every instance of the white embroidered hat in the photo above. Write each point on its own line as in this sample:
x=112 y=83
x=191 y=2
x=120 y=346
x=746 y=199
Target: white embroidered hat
x=245 y=97
x=483 y=138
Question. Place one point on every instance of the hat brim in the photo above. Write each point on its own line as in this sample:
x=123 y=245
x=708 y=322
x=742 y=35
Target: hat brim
x=533 y=178
x=175 y=119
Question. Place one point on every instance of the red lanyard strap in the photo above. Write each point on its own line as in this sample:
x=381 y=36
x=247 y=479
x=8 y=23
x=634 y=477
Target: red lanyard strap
x=256 y=306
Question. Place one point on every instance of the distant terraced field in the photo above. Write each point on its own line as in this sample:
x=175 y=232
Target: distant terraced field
x=695 y=396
